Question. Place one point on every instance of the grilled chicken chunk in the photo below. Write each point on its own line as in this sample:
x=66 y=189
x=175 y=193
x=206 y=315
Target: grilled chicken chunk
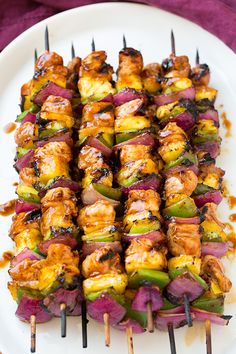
x=184 y=239
x=51 y=160
x=181 y=183
x=60 y=266
x=173 y=142
x=56 y=108
x=90 y=157
x=96 y=216
x=25 y=135
x=98 y=114
x=212 y=267
x=102 y=261
x=209 y=211
x=130 y=153
x=200 y=75
x=58 y=209
x=141 y=200
x=211 y=175
x=129 y=108
x=130 y=69
x=95 y=77
x=28 y=177
x=142 y=254
x=150 y=77
x=176 y=66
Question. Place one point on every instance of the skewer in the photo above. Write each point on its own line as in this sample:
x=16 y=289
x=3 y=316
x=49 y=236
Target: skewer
x=129 y=333
x=171 y=338
x=46 y=39
x=84 y=324
x=150 y=323
x=172 y=43
x=107 y=329
x=208 y=336
x=187 y=311
x=72 y=51
x=124 y=42
x=33 y=333
x=63 y=320
x=35 y=55
x=93 y=45
x=197 y=57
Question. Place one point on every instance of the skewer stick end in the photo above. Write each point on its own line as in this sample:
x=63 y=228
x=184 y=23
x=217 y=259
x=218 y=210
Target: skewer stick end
x=150 y=323
x=84 y=324
x=187 y=311
x=106 y=319
x=208 y=336
x=63 y=320
x=33 y=333
x=129 y=333
x=171 y=338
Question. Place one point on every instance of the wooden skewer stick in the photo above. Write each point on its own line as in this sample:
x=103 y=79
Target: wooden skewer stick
x=171 y=338
x=46 y=39
x=33 y=333
x=129 y=333
x=172 y=42
x=106 y=319
x=124 y=42
x=84 y=324
x=150 y=323
x=93 y=45
x=63 y=320
x=187 y=311
x=208 y=336
x=197 y=58
x=72 y=50
x=35 y=55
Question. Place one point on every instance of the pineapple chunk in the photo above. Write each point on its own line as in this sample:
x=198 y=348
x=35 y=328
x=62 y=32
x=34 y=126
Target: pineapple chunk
x=131 y=123
x=192 y=263
x=27 y=238
x=67 y=120
x=136 y=169
x=131 y=81
x=172 y=151
x=103 y=282
x=205 y=92
x=181 y=84
x=144 y=216
x=92 y=89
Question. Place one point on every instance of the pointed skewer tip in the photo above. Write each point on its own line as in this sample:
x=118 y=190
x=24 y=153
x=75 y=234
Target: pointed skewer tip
x=197 y=57
x=72 y=50
x=35 y=55
x=46 y=39
x=106 y=319
x=173 y=42
x=93 y=45
x=124 y=42
x=33 y=333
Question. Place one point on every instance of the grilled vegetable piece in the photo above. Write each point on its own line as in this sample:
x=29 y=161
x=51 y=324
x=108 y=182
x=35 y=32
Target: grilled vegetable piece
x=95 y=77
x=103 y=282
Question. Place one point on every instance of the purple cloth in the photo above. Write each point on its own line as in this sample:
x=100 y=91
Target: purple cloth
x=216 y=16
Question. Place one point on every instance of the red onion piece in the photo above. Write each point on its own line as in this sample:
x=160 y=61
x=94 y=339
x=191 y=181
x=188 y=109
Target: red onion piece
x=146 y=294
x=136 y=327
x=24 y=161
x=184 y=120
x=59 y=136
x=64 y=182
x=156 y=235
x=188 y=93
x=105 y=304
x=212 y=147
x=217 y=249
x=126 y=95
x=210 y=114
x=30 y=117
x=22 y=206
x=201 y=315
x=26 y=253
x=70 y=298
x=51 y=88
x=91 y=246
x=180 y=168
x=94 y=142
x=65 y=239
x=177 y=220
x=143 y=139
x=208 y=197
x=181 y=285
x=28 y=307
x=108 y=98
x=90 y=196
x=151 y=182
x=176 y=320
x=174 y=311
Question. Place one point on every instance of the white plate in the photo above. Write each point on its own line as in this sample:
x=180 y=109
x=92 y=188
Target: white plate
x=148 y=29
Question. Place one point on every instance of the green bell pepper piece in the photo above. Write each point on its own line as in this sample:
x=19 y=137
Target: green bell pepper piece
x=139 y=316
x=128 y=182
x=185 y=208
x=174 y=273
x=120 y=299
x=209 y=303
x=32 y=293
x=211 y=237
x=148 y=276
x=167 y=305
x=29 y=194
x=107 y=139
x=140 y=228
x=202 y=189
x=109 y=192
x=186 y=159
x=21 y=152
x=203 y=138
